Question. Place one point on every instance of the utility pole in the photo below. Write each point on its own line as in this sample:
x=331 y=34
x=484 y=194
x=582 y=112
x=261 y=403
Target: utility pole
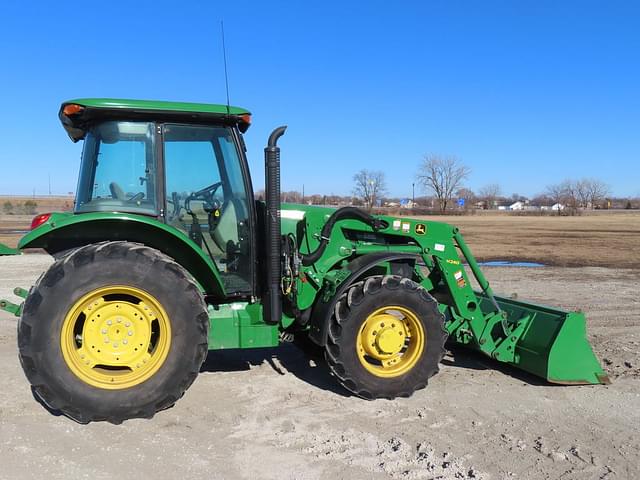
x=49 y=184
x=413 y=194
x=303 y=193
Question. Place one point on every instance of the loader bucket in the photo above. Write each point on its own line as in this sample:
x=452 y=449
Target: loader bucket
x=554 y=344
x=4 y=250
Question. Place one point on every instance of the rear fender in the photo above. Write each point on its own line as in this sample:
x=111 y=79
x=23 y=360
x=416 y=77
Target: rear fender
x=401 y=263
x=64 y=232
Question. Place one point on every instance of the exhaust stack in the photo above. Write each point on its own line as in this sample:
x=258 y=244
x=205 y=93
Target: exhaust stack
x=273 y=298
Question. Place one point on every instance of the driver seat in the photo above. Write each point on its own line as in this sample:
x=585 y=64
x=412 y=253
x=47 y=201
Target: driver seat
x=227 y=228
x=116 y=191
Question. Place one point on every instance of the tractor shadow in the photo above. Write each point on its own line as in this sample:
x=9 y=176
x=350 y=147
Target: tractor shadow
x=460 y=357
x=283 y=359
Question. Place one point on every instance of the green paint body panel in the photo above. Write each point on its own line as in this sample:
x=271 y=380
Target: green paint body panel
x=5 y=250
x=162 y=106
x=240 y=325
x=67 y=230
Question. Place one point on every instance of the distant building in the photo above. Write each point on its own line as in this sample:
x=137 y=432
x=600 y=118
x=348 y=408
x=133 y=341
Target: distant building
x=557 y=207
x=517 y=206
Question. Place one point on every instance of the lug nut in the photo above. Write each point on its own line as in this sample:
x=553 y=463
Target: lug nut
x=124 y=342
x=104 y=331
x=115 y=345
x=109 y=322
x=119 y=320
x=130 y=332
x=127 y=324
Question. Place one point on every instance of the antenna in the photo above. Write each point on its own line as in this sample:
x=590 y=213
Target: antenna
x=224 y=55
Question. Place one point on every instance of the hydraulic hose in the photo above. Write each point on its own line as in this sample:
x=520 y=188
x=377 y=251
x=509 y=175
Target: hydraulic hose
x=344 y=213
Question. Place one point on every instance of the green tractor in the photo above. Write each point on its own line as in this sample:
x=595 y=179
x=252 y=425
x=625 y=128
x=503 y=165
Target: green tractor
x=168 y=255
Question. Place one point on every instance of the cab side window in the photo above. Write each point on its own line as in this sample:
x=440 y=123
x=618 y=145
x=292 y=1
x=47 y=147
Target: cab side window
x=207 y=199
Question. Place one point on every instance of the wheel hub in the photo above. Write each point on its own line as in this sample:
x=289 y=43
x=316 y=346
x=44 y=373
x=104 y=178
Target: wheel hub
x=390 y=342
x=385 y=335
x=120 y=328
x=115 y=337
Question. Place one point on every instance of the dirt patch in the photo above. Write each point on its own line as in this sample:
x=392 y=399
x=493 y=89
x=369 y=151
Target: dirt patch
x=274 y=414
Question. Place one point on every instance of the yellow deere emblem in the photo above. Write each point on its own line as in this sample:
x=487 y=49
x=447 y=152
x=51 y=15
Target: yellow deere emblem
x=421 y=229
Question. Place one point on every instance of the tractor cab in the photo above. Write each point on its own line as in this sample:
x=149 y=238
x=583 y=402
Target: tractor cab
x=182 y=164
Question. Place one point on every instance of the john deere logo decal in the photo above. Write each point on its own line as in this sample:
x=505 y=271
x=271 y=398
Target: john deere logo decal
x=421 y=229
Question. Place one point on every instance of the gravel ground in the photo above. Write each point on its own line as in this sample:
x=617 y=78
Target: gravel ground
x=274 y=414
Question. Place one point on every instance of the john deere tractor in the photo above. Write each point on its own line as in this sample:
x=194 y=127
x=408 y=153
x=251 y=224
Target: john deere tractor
x=168 y=255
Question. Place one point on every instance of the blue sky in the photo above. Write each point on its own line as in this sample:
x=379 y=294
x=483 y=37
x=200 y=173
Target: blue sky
x=526 y=93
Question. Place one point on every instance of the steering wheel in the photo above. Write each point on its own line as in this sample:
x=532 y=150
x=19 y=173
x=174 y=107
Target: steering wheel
x=207 y=195
x=136 y=198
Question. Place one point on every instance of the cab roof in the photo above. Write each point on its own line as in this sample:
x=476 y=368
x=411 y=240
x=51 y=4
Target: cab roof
x=79 y=114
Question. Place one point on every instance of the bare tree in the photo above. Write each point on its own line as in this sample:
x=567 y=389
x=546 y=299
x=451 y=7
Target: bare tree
x=571 y=195
x=585 y=193
x=582 y=192
x=556 y=193
x=442 y=175
x=597 y=191
x=370 y=186
x=291 y=197
x=565 y=195
x=489 y=194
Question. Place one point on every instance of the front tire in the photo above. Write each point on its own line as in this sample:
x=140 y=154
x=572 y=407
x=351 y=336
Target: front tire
x=112 y=331
x=386 y=338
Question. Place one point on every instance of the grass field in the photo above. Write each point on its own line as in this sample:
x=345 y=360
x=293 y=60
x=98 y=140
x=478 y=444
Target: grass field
x=600 y=239
x=12 y=226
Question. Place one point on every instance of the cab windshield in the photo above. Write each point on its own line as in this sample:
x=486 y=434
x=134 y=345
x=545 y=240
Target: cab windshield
x=118 y=169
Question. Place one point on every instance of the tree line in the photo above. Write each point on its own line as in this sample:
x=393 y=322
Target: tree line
x=442 y=178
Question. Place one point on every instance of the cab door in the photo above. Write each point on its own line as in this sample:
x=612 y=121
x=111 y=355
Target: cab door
x=207 y=198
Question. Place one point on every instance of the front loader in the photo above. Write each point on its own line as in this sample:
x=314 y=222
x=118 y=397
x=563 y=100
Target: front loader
x=168 y=255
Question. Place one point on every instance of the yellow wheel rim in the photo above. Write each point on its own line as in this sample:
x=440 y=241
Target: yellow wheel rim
x=390 y=341
x=115 y=337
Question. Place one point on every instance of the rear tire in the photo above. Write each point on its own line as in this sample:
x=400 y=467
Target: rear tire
x=112 y=331
x=386 y=338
